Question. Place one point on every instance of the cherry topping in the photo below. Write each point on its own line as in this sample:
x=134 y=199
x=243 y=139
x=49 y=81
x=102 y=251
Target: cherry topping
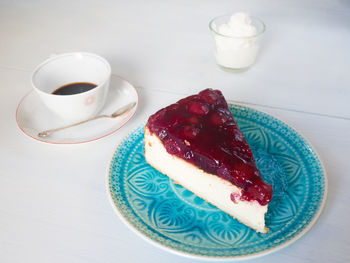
x=172 y=146
x=162 y=134
x=234 y=197
x=198 y=108
x=177 y=120
x=172 y=107
x=243 y=174
x=261 y=192
x=218 y=118
x=208 y=96
x=190 y=132
x=158 y=115
x=202 y=130
x=189 y=155
x=224 y=172
x=193 y=120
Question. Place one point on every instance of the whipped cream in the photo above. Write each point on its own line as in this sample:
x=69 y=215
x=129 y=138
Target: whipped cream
x=239 y=25
x=236 y=42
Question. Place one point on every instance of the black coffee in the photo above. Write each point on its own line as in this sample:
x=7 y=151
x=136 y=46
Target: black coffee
x=74 y=88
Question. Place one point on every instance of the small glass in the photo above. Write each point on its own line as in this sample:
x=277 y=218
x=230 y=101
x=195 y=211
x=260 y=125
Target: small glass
x=236 y=54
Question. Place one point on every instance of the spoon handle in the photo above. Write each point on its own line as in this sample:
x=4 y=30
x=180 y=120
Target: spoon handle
x=117 y=113
x=49 y=132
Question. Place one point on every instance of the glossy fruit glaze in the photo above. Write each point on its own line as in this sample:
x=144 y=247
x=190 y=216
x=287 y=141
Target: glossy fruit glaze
x=201 y=130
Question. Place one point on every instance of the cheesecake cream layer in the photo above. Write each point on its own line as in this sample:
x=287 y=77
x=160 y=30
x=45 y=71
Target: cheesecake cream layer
x=209 y=187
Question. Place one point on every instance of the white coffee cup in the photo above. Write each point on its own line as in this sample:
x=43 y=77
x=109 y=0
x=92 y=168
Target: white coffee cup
x=68 y=68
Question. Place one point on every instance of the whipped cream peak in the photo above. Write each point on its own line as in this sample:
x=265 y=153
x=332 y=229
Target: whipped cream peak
x=239 y=25
x=240 y=18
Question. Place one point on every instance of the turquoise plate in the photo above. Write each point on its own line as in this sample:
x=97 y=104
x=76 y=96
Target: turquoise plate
x=172 y=217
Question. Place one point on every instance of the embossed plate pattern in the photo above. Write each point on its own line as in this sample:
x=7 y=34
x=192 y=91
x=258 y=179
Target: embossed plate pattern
x=174 y=218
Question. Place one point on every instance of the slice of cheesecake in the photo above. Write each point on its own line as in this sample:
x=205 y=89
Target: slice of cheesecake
x=197 y=143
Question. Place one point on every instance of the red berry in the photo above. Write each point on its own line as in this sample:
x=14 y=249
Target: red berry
x=188 y=99
x=218 y=118
x=209 y=96
x=193 y=120
x=190 y=132
x=176 y=120
x=198 y=108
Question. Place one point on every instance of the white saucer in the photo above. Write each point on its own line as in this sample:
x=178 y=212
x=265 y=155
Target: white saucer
x=32 y=116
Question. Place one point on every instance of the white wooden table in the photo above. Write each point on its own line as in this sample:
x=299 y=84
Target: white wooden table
x=53 y=202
